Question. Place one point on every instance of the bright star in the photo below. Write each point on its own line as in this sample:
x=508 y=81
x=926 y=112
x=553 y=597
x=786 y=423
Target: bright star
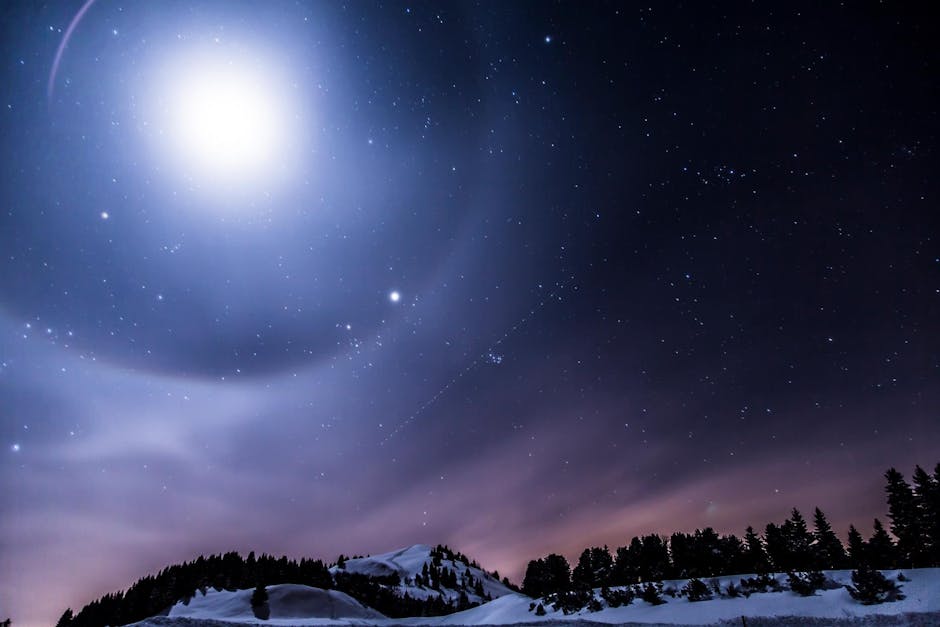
x=394 y=297
x=15 y=448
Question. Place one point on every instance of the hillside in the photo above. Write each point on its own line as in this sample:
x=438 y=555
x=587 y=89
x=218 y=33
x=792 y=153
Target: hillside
x=419 y=566
x=286 y=601
x=299 y=606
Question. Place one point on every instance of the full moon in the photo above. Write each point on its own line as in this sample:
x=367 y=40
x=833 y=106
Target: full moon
x=225 y=120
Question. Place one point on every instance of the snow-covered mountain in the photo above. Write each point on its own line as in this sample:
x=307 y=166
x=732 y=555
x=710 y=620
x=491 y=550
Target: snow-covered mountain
x=420 y=566
x=303 y=606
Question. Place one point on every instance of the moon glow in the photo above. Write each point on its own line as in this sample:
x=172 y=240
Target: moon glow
x=224 y=121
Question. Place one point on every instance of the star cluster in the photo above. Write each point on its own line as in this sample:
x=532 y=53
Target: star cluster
x=524 y=277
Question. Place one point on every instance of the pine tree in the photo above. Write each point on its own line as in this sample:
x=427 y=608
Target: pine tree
x=707 y=558
x=259 y=603
x=755 y=558
x=558 y=572
x=776 y=544
x=583 y=574
x=828 y=551
x=593 y=569
x=881 y=550
x=653 y=560
x=903 y=515
x=730 y=555
x=65 y=619
x=798 y=541
x=927 y=513
x=625 y=570
x=650 y=594
x=858 y=551
x=696 y=590
x=680 y=549
x=871 y=587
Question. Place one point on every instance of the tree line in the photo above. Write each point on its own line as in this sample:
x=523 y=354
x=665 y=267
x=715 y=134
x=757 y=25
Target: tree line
x=913 y=511
x=154 y=594
x=788 y=547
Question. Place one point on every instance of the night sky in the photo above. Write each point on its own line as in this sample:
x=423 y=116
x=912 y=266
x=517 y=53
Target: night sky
x=312 y=278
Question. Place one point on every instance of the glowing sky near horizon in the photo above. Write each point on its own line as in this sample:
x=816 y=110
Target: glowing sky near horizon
x=309 y=278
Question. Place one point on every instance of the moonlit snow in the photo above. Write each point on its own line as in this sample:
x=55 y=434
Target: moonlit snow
x=294 y=605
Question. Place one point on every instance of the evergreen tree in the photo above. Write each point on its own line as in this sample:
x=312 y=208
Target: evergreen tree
x=829 y=554
x=681 y=552
x=730 y=555
x=696 y=590
x=546 y=576
x=625 y=570
x=858 y=551
x=66 y=618
x=776 y=544
x=799 y=541
x=927 y=513
x=707 y=546
x=593 y=569
x=881 y=552
x=754 y=559
x=653 y=560
x=806 y=584
x=559 y=573
x=535 y=581
x=259 y=597
x=904 y=520
x=650 y=594
x=871 y=587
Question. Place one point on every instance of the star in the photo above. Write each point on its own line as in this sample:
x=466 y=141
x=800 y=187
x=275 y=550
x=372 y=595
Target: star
x=394 y=296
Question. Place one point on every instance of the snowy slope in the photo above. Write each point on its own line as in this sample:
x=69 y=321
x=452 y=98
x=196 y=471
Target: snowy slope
x=286 y=601
x=921 y=607
x=408 y=562
x=922 y=595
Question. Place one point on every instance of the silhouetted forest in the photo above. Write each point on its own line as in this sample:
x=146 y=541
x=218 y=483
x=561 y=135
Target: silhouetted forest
x=789 y=547
x=155 y=594
x=794 y=546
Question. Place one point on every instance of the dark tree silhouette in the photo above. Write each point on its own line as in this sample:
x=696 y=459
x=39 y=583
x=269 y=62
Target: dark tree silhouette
x=828 y=552
x=858 y=550
x=546 y=576
x=755 y=558
x=593 y=569
x=871 y=587
x=904 y=519
x=259 y=603
x=927 y=512
x=880 y=550
x=65 y=619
